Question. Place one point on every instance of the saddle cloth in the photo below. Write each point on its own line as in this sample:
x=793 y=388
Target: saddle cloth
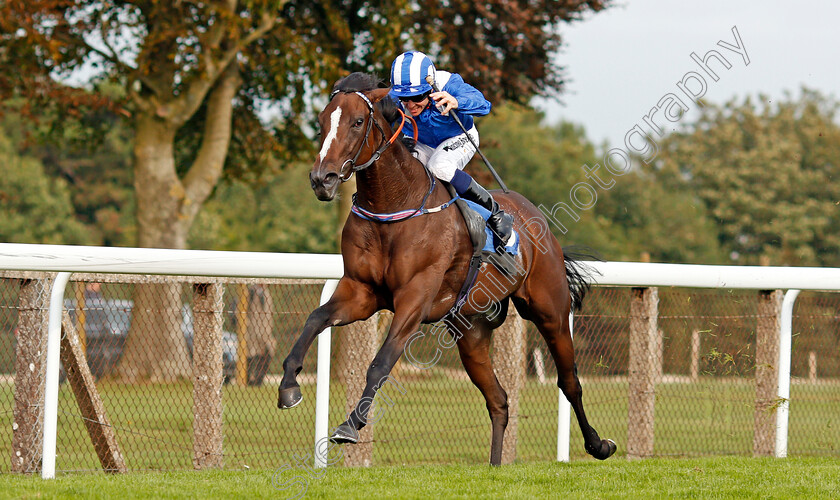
x=492 y=241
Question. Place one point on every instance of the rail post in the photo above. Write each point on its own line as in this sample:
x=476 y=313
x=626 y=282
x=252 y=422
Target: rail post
x=322 y=387
x=51 y=389
x=509 y=358
x=785 y=342
x=208 y=376
x=30 y=358
x=644 y=333
x=766 y=370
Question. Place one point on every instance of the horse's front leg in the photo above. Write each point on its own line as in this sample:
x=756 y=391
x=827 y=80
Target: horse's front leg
x=409 y=309
x=352 y=301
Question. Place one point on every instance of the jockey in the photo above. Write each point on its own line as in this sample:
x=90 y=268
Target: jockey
x=441 y=144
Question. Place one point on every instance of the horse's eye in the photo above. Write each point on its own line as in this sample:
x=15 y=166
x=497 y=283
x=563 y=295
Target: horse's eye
x=359 y=122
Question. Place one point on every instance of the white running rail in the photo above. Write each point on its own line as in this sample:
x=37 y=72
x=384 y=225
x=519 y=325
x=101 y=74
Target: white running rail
x=68 y=259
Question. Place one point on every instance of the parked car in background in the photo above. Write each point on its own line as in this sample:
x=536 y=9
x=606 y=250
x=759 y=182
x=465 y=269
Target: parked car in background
x=106 y=326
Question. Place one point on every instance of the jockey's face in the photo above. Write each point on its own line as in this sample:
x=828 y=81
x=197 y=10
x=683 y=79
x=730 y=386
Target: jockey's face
x=415 y=108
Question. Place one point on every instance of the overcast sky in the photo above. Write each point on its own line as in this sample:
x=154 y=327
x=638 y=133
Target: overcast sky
x=623 y=61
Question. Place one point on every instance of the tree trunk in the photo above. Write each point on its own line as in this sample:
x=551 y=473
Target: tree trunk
x=160 y=193
x=166 y=208
x=155 y=348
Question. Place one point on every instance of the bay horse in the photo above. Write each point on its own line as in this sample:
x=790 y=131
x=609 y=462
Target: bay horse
x=416 y=267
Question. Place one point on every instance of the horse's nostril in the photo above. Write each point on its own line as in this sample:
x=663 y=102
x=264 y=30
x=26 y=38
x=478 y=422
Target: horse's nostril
x=324 y=184
x=327 y=180
x=330 y=179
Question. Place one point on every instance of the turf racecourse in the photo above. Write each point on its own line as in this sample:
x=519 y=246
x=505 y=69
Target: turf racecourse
x=717 y=477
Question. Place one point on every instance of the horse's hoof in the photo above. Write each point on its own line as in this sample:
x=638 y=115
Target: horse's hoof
x=605 y=449
x=345 y=434
x=289 y=397
x=610 y=446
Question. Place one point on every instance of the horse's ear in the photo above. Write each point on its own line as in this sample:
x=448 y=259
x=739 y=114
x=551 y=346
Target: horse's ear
x=378 y=94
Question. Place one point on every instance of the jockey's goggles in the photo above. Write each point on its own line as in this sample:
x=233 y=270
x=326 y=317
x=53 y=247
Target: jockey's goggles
x=415 y=98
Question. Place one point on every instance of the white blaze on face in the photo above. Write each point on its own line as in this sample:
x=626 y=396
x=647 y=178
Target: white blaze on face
x=334 y=117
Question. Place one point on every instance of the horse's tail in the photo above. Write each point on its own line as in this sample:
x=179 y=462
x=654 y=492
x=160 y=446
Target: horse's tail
x=579 y=274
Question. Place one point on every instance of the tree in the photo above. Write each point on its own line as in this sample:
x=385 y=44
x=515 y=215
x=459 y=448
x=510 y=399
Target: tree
x=635 y=214
x=503 y=47
x=765 y=174
x=190 y=70
x=276 y=215
x=640 y=215
x=34 y=208
x=92 y=154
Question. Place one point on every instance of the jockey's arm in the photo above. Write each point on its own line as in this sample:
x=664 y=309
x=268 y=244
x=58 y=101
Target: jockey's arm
x=468 y=99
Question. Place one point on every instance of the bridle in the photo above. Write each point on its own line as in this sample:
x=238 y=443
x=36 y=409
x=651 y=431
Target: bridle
x=396 y=216
x=383 y=145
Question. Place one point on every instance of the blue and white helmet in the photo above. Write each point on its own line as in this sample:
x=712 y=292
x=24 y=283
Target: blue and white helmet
x=409 y=72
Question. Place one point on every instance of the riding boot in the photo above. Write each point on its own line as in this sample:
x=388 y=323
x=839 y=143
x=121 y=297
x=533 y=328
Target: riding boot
x=499 y=222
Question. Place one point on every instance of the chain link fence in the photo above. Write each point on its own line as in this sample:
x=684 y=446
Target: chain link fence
x=138 y=333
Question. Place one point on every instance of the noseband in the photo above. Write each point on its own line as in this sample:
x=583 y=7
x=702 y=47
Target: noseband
x=382 y=146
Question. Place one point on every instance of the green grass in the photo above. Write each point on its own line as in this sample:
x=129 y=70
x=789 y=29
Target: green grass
x=721 y=477
x=437 y=420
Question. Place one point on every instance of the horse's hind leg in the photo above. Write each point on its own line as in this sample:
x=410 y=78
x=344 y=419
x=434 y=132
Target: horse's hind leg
x=567 y=380
x=543 y=307
x=474 y=348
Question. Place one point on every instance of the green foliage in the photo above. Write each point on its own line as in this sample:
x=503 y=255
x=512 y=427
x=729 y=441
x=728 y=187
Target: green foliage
x=34 y=208
x=765 y=174
x=91 y=155
x=635 y=214
x=279 y=215
x=533 y=159
x=285 y=52
x=640 y=215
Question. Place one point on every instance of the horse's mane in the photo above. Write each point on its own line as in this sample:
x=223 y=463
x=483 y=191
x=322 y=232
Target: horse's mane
x=362 y=82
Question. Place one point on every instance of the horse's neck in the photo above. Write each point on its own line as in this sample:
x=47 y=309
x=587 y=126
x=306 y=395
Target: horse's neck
x=396 y=181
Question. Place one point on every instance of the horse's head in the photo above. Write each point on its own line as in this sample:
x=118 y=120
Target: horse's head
x=350 y=134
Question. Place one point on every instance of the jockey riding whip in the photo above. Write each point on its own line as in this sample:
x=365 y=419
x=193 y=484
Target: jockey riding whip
x=431 y=81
